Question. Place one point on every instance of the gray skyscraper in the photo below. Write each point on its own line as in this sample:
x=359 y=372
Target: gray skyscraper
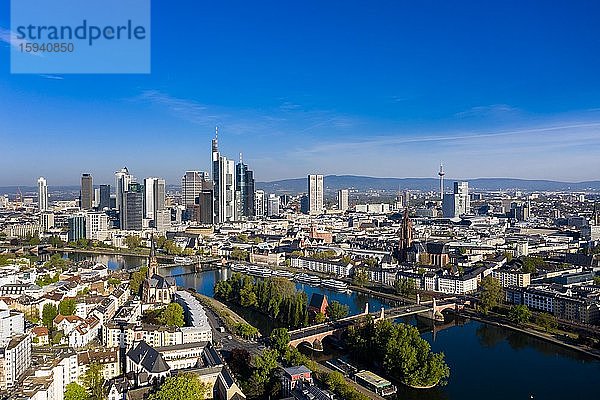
x=458 y=203
x=154 y=198
x=42 y=194
x=315 y=194
x=87 y=192
x=223 y=185
x=245 y=189
x=192 y=183
x=133 y=210
x=122 y=181
x=76 y=227
x=104 y=197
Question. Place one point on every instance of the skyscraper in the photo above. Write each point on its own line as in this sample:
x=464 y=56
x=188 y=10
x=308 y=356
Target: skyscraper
x=87 y=192
x=259 y=203
x=133 y=208
x=315 y=194
x=244 y=180
x=104 y=197
x=273 y=205
x=223 y=184
x=122 y=181
x=342 y=200
x=42 y=194
x=76 y=227
x=458 y=203
x=154 y=198
x=441 y=175
x=192 y=183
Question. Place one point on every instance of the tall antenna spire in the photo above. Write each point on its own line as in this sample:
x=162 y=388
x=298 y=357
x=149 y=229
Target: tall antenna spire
x=216 y=133
x=240 y=157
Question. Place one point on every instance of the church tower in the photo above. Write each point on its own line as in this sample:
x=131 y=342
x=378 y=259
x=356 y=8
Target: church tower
x=405 y=241
x=152 y=262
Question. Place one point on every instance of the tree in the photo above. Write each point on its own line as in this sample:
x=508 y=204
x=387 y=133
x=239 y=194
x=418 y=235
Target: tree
x=172 y=315
x=49 y=312
x=597 y=280
x=491 y=293
x=531 y=264
x=280 y=340
x=239 y=254
x=74 y=391
x=360 y=277
x=186 y=386
x=320 y=318
x=133 y=242
x=136 y=279
x=246 y=330
x=67 y=307
x=240 y=361
x=112 y=281
x=546 y=321
x=519 y=314
x=93 y=380
x=264 y=365
x=404 y=286
x=336 y=310
x=56 y=241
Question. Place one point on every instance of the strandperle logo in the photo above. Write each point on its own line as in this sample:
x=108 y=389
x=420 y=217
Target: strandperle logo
x=80 y=36
x=85 y=31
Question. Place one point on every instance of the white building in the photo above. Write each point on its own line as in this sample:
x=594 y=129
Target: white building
x=342 y=199
x=315 y=194
x=273 y=205
x=15 y=358
x=192 y=183
x=259 y=203
x=223 y=186
x=96 y=226
x=46 y=221
x=122 y=181
x=42 y=194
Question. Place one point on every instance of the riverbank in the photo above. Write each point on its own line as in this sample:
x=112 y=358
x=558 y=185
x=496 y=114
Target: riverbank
x=474 y=315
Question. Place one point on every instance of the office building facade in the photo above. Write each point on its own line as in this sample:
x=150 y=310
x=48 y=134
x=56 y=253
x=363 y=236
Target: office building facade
x=315 y=194
x=42 y=194
x=87 y=192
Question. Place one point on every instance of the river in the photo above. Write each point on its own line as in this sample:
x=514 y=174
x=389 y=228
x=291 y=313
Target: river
x=486 y=362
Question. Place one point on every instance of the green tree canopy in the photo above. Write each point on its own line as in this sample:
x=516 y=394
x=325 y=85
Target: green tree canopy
x=280 y=340
x=93 y=380
x=75 y=391
x=360 y=277
x=519 y=314
x=136 y=279
x=49 y=312
x=185 y=386
x=546 y=321
x=491 y=293
x=133 y=242
x=320 y=318
x=336 y=310
x=172 y=315
x=67 y=307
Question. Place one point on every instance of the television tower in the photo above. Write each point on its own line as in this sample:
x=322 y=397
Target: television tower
x=441 y=175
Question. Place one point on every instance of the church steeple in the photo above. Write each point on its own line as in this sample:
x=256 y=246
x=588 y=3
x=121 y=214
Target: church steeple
x=152 y=262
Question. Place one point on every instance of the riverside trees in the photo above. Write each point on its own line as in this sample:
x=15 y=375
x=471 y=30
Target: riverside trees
x=404 y=354
x=273 y=296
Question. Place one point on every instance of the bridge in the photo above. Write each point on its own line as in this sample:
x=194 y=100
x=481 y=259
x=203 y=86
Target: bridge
x=314 y=335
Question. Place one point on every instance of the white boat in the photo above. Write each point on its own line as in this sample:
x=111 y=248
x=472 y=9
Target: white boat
x=238 y=268
x=183 y=260
x=283 y=274
x=258 y=271
x=334 y=284
x=308 y=279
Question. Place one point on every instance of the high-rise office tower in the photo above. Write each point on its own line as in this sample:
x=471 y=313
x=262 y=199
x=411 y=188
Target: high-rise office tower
x=154 y=198
x=458 y=203
x=259 y=203
x=133 y=208
x=441 y=175
x=223 y=184
x=244 y=180
x=87 y=192
x=342 y=200
x=104 y=197
x=273 y=205
x=76 y=227
x=192 y=183
x=42 y=194
x=122 y=181
x=96 y=201
x=315 y=194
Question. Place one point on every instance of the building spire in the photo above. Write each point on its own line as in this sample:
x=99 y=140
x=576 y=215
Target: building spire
x=152 y=262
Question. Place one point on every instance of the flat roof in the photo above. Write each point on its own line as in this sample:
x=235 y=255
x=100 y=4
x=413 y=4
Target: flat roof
x=373 y=379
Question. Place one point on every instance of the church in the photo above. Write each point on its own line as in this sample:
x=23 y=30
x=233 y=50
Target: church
x=156 y=288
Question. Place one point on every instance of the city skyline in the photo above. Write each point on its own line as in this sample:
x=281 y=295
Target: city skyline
x=507 y=102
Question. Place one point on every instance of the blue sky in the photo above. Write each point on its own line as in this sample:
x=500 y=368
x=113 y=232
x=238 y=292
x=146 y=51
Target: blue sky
x=385 y=88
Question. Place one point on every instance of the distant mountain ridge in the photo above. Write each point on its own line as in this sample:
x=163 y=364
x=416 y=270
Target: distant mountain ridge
x=362 y=183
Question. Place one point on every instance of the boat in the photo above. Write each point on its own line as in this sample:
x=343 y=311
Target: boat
x=334 y=284
x=183 y=260
x=255 y=270
x=308 y=279
x=283 y=274
x=238 y=268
